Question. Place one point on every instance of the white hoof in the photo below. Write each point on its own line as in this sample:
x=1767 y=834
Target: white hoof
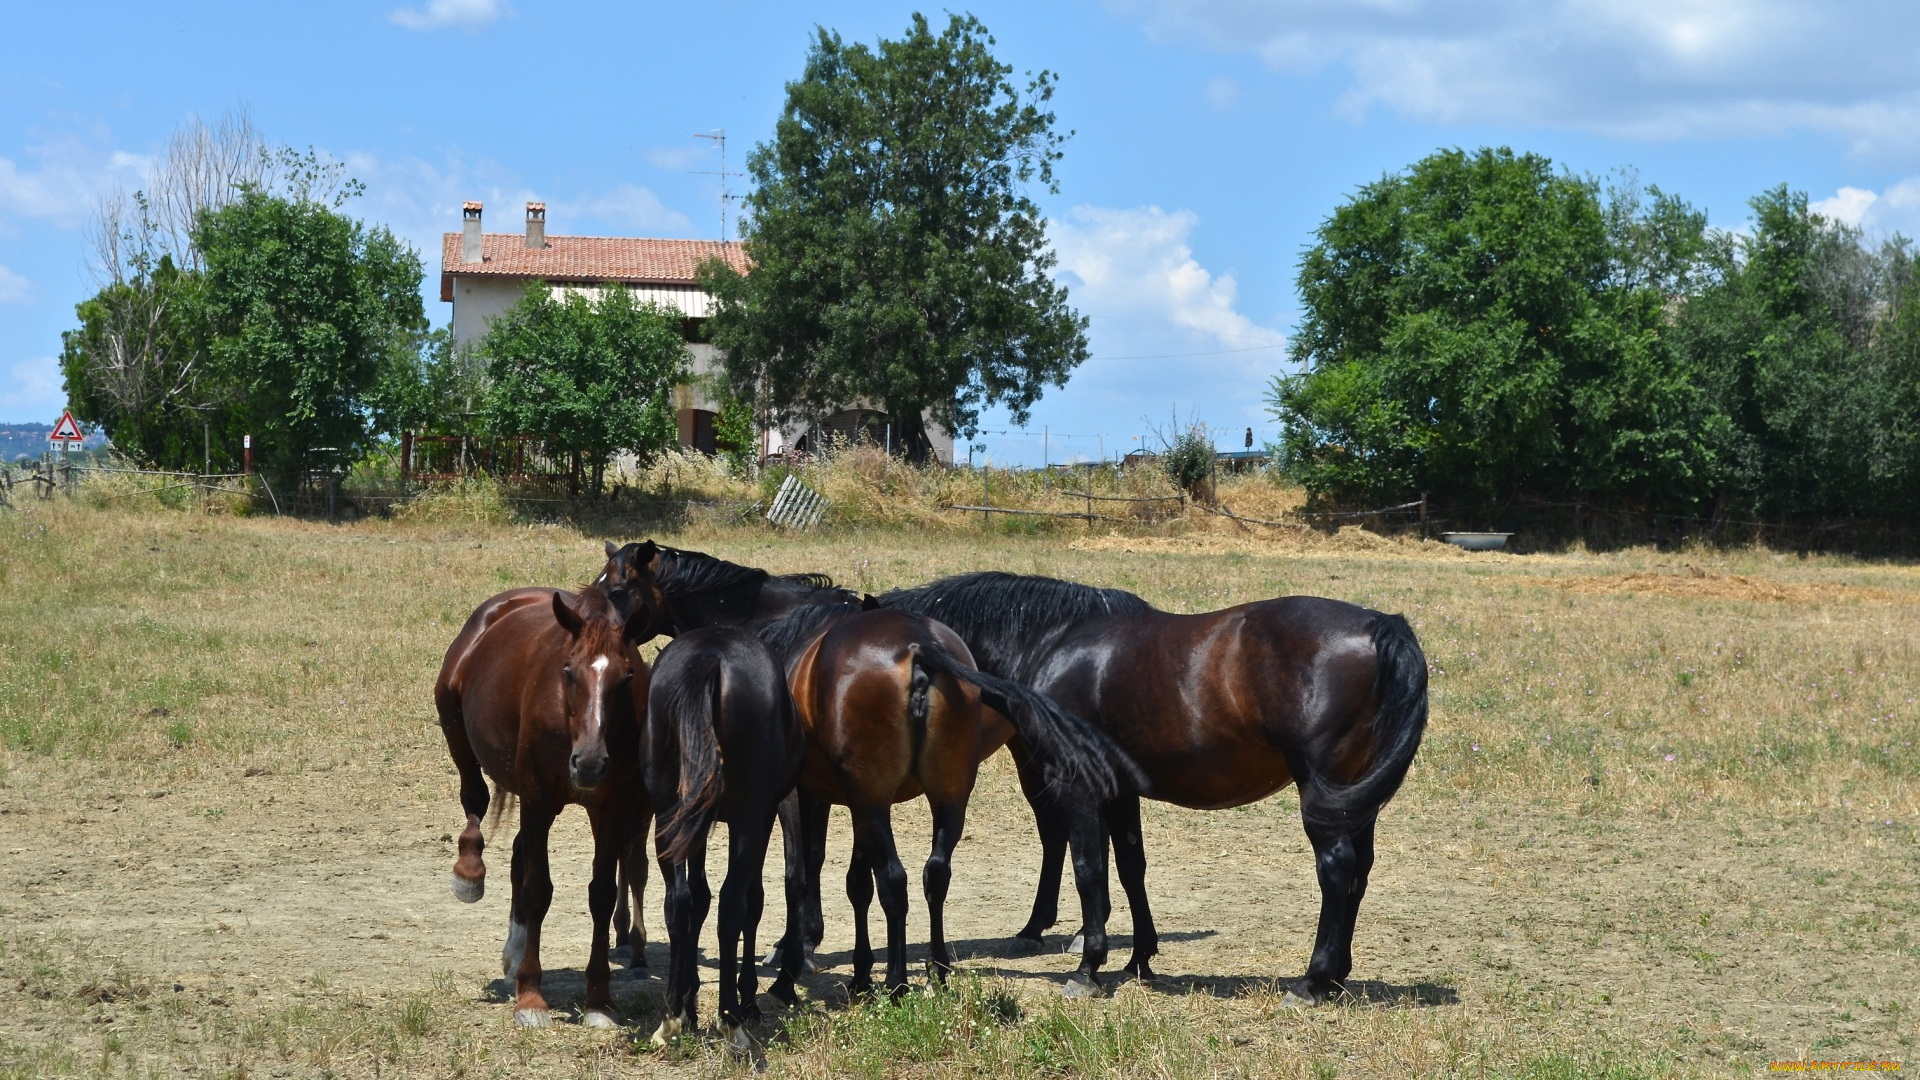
x=1080 y=988
x=738 y=1040
x=595 y=1018
x=468 y=892
x=1294 y=1001
x=1078 y=945
x=668 y=1030
x=530 y=1017
x=515 y=950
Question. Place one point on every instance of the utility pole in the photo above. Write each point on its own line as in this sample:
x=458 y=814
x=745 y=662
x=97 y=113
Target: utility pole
x=718 y=136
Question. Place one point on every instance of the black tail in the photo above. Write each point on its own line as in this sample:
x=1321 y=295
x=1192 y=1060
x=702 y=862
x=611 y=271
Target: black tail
x=1399 y=721
x=695 y=708
x=1078 y=758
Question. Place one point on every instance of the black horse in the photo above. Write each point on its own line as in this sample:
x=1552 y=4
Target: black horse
x=1221 y=709
x=722 y=743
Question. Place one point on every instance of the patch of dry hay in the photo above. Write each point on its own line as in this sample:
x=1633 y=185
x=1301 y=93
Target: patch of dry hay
x=1350 y=541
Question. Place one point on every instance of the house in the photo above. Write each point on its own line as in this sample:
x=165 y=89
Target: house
x=483 y=274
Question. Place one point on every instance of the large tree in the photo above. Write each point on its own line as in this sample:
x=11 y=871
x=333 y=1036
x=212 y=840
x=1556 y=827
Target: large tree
x=1480 y=327
x=305 y=308
x=592 y=377
x=896 y=258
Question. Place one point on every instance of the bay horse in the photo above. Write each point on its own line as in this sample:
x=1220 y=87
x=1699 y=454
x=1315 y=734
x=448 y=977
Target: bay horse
x=629 y=923
x=722 y=744
x=546 y=699
x=1220 y=709
x=891 y=704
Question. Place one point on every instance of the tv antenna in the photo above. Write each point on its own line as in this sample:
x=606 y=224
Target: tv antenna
x=719 y=138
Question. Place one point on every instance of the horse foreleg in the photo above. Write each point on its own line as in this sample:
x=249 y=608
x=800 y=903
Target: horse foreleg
x=469 y=868
x=949 y=821
x=1088 y=836
x=609 y=844
x=1130 y=862
x=532 y=896
x=1343 y=861
x=1052 y=826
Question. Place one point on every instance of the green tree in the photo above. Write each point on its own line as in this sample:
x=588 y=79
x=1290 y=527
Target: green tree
x=432 y=389
x=1474 y=329
x=593 y=378
x=895 y=255
x=305 y=308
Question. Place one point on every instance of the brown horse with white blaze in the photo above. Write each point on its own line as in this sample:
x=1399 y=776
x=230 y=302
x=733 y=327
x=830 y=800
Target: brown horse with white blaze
x=547 y=699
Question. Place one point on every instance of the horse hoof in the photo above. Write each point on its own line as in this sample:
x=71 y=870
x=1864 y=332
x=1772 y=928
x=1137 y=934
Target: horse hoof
x=1302 y=994
x=469 y=892
x=1078 y=945
x=782 y=991
x=1081 y=987
x=771 y=961
x=640 y=971
x=738 y=1040
x=1025 y=946
x=530 y=1017
x=598 y=1018
x=668 y=1030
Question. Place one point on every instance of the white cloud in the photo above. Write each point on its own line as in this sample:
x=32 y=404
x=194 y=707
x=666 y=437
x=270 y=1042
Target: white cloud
x=465 y=14
x=17 y=288
x=64 y=179
x=1138 y=261
x=1636 y=68
x=31 y=392
x=632 y=207
x=1223 y=93
x=1879 y=214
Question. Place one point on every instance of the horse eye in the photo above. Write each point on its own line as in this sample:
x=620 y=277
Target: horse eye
x=567 y=670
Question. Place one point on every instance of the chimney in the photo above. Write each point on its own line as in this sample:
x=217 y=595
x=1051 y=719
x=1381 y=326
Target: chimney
x=470 y=232
x=536 y=224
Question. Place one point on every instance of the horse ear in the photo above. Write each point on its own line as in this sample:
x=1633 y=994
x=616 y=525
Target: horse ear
x=869 y=602
x=570 y=619
x=647 y=552
x=612 y=550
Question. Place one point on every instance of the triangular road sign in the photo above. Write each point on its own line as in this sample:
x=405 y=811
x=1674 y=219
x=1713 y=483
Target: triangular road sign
x=66 y=430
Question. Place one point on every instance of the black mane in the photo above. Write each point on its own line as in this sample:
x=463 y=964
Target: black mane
x=1001 y=616
x=788 y=632
x=685 y=572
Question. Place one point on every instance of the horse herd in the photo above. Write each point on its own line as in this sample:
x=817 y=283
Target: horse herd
x=780 y=696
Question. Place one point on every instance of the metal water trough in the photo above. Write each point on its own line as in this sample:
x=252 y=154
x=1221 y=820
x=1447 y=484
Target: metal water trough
x=1477 y=541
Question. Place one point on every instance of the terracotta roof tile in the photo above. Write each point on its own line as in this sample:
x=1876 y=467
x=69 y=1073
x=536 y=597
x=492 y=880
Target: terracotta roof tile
x=575 y=258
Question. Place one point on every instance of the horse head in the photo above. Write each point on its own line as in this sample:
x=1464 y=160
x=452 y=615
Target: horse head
x=632 y=585
x=598 y=677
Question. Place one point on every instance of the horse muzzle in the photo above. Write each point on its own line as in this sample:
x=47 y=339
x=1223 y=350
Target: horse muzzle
x=587 y=770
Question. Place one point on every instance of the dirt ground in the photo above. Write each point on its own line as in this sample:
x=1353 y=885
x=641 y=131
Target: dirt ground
x=1712 y=933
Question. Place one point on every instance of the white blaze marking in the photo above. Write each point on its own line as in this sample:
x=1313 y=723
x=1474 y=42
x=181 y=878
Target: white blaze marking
x=600 y=664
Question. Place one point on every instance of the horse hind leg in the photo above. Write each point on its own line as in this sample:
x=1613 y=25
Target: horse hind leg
x=949 y=820
x=1342 y=861
x=1130 y=864
x=891 y=878
x=469 y=867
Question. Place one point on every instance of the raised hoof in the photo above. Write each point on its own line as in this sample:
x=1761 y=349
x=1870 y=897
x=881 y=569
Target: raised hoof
x=783 y=992
x=1080 y=987
x=596 y=1018
x=640 y=971
x=1078 y=945
x=531 y=1017
x=469 y=892
x=668 y=1030
x=737 y=1038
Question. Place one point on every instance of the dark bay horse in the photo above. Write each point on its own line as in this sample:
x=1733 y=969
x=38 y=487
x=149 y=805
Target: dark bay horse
x=722 y=744
x=543 y=692
x=1220 y=709
x=891 y=704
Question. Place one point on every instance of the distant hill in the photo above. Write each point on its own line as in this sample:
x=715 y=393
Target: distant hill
x=30 y=440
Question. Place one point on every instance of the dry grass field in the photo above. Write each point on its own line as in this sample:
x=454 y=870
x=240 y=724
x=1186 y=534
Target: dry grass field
x=1664 y=822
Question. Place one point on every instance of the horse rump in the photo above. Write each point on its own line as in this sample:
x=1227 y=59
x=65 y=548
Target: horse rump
x=1399 y=723
x=684 y=706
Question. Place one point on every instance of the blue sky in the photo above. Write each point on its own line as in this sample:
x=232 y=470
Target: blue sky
x=1212 y=136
